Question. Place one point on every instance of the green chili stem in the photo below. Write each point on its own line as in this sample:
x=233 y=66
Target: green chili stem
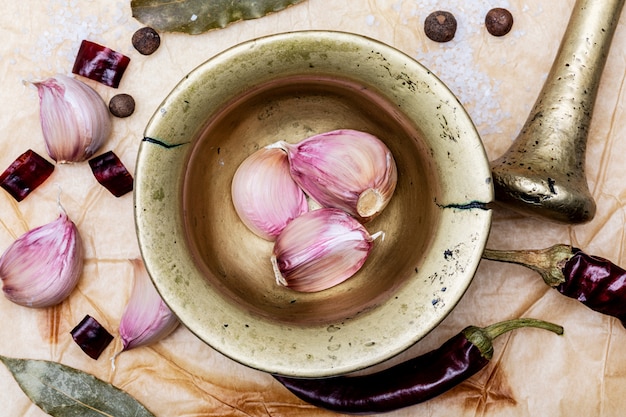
x=498 y=329
x=483 y=337
x=547 y=262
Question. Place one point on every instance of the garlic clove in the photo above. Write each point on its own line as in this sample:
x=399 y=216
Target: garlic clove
x=320 y=249
x=74 y=119
x=42 y=267
x=264 y=195
x=346 y=169
x=146 y=318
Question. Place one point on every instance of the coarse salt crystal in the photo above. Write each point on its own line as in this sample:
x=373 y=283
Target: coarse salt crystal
x=454 y=62
x=193 y=18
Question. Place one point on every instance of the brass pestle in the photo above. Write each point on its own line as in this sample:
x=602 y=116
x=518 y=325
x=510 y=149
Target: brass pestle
x=542 y=174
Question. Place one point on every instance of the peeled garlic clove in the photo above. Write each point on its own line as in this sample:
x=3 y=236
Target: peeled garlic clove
x=264 y=195
x=320 y=249
x=42 y=267
x=146 y=319
x=74 y=119
x=346 y=169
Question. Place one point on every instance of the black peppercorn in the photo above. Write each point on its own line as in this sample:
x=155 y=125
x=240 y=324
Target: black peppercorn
x=498 y=21
x=122 y=105
x=146 y=40
x=440 y=26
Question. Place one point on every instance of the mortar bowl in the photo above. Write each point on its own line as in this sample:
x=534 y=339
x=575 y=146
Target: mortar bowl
x=216 y=275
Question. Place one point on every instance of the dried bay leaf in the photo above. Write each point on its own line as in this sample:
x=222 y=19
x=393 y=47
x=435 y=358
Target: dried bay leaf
x=198 y=16
x=63 y=391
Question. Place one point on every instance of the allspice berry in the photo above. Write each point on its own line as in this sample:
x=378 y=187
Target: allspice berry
x=498 y=21
x=122 y=105
x=146 y=40
x=440 y=26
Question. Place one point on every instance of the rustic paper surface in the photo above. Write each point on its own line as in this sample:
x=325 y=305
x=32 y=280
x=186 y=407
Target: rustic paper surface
x=582 y=373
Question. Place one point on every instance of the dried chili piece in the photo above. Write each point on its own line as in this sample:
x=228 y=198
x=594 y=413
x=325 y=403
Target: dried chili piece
x=91 y=336
x=111 y=173
x=25 y=174
x=411 y=382
x=594 y=281
x=100 y=63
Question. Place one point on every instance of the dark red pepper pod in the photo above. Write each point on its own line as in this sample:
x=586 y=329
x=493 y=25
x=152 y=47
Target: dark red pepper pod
x=100 y=63
x=411 y=382
x=597 y=283
x=25 y=174
x=111 y=173
x=91 y=336
x=594 y=281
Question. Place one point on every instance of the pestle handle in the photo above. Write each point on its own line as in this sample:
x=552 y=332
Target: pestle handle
x=542 y=174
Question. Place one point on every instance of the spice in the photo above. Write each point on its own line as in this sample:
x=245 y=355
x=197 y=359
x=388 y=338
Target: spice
x=100 y=63
x=440 y=26
x=25 y=174
x=122 y=105
x=62 y=391
x=42 y=267
x=594 y=281
x=111 y=173
x=498 y=21
x=74 y=119
x=146 y=318
x=91 y=336
x=414 y=381
x=265 y=196
x=346 y=169
x=146 y=40
x=320 y=249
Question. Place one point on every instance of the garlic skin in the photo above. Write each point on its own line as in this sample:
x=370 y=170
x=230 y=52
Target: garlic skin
x=74 y=119
x=346 y=169
x=146 y=318
x=320 y=249
x=265 y=196
x=43 y=266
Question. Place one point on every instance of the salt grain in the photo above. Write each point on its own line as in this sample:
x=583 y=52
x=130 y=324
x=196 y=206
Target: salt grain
x=455 y=63
x=56 y=46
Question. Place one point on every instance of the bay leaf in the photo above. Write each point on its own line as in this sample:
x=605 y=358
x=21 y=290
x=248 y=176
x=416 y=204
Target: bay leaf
x=63 y=391
x=198 y=16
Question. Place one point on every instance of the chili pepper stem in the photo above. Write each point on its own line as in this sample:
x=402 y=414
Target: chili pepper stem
x=483 y=337
x=547 y=262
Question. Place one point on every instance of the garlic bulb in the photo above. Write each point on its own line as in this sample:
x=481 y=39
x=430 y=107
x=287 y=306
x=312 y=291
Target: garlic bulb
x=320 y=249
x=146 y=319
x=346 y=169
x=264 y=195
x=42 y=267
x=74 y=119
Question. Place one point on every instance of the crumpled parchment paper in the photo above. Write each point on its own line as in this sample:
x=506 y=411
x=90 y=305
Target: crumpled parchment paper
x=533 y=372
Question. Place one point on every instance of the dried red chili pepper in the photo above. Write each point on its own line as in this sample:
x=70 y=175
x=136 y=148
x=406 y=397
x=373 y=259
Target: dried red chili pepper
x=594 y=281
x=91 y=336
x=411 y=382
x=111 y=173
x=100 y=63
x=25 y=174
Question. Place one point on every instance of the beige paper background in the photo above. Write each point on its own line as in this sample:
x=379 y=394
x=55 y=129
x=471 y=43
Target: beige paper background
x=533 y=373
